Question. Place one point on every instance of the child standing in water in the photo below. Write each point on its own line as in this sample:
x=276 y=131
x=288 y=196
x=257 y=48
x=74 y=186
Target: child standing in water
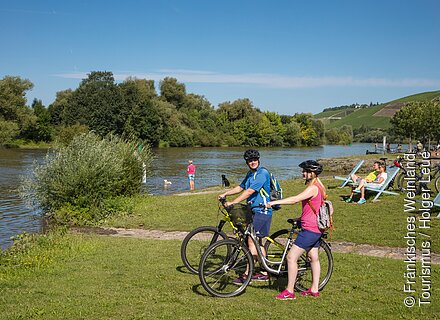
x=191 y=170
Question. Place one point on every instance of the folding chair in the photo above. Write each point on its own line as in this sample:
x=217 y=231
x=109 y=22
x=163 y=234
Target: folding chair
x=436 y=202
x=392 y=172
x=353 y=171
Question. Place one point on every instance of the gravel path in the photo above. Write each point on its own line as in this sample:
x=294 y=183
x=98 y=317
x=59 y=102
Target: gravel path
x=337 y=246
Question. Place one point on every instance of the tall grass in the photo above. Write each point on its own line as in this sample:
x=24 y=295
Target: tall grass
x=86 y=173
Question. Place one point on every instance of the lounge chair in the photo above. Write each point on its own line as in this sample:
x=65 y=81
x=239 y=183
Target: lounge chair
x=392 y=172
x=353 y=171
x=436 y=202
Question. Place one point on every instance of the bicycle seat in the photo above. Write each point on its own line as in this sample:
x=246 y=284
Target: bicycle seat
x=295 y=222
x=383 y=159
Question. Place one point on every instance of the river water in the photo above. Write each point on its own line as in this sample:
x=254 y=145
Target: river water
x=169 y=164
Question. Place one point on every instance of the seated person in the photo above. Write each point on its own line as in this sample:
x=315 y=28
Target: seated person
x=370 y=177
x=376 y=183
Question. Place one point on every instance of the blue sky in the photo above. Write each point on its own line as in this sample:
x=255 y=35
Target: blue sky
x=285 y=56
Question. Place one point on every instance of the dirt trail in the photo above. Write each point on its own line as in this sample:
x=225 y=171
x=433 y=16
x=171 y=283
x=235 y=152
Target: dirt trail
x=337 y=246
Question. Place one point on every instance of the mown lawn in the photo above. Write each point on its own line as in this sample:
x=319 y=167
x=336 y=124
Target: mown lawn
x=101 y=277
x=379 y=223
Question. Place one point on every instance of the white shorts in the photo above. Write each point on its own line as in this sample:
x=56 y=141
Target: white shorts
x=371 y=185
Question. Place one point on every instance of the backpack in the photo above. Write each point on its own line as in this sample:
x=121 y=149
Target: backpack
x=275 y=193
x=324 y=216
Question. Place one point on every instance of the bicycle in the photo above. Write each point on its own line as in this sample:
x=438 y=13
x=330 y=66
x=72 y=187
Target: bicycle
x=228 y=259
x=196 y=242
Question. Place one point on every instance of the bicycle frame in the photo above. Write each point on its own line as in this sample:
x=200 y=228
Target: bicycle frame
x=261 y=258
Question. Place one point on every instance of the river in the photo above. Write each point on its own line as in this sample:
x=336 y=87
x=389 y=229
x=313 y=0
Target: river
x=169 y=164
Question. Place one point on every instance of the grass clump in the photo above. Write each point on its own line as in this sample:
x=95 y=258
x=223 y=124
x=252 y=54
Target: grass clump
x=86 y=176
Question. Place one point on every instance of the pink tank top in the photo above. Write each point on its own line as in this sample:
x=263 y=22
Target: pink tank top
x=191 y=169
x=308 y=217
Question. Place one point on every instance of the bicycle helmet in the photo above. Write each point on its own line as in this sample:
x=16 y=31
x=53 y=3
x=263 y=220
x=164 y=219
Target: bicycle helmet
x=311 y=166
x=251 y=154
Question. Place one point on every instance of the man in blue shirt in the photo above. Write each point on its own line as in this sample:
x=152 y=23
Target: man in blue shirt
x=256 y=179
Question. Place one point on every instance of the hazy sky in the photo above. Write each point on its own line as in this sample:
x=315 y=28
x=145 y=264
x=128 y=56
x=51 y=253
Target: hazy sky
x=286 y=56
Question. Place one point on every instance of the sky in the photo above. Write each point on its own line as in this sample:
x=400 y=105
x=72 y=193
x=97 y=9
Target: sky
x=285 y=56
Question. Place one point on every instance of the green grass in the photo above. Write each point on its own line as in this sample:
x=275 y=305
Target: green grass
x=360 y=117
x=364 y=116
x=329 y=113
x=379 y=223
x=425 y=96
x=102 y=277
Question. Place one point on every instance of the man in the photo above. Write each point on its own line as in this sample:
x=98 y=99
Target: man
x=369 y=178
x=256 y=179
x=419 y=147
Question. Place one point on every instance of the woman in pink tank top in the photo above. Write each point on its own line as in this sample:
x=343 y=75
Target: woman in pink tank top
x=309 y=238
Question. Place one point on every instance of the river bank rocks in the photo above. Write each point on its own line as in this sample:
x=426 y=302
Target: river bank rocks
x=343 y=166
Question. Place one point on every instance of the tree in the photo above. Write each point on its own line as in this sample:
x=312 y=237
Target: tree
x=311 y=130
x=293 y=134
x=96 y=103
x=41 y=130
x=56 y=109
x=8 y=131
x=172 y=91
x=13 y=97
x=138 y=112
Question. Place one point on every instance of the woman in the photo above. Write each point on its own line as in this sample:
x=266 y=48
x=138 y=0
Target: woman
x=309 y=239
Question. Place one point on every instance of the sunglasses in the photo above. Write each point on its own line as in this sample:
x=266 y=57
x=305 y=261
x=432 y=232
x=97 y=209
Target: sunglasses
x=252 y=160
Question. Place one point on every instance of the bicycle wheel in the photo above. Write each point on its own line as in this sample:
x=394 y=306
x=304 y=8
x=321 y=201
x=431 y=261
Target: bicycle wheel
x=195 y=244
x=304 y=277
x=221 y=264
x=401 y=181
x=274 y=247
x=437 y=184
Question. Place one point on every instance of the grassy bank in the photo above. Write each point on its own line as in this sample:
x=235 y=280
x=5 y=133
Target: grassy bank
x=100 y=277
x=379 y=223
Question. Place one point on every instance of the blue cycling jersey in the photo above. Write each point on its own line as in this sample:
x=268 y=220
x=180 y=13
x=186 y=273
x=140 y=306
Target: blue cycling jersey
x=256 y=180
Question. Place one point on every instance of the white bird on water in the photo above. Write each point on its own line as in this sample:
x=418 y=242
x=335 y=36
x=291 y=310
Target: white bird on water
x=166 y=182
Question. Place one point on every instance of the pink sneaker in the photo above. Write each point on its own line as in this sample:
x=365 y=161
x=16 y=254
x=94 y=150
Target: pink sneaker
x=309 y=292
x=286 y=295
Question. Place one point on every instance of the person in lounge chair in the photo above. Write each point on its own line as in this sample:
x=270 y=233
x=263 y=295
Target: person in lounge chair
x=374 y=179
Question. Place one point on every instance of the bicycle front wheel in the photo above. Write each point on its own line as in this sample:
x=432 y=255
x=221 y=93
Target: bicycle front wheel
x=437 y=184
x=222 y=268
x=195 y=244
x=304 y=277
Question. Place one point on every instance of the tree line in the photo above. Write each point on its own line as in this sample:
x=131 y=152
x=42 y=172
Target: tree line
x=418 y=120
x=170 y=117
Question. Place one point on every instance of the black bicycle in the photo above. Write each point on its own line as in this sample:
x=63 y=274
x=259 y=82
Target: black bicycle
x=196 y=242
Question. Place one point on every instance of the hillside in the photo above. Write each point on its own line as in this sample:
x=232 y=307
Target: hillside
x=376 y=117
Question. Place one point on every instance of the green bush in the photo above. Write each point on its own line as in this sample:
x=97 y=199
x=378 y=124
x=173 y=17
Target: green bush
x=8 y=130
x=86 y=175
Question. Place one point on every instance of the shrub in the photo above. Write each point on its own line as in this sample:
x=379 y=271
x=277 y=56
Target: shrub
x=8 y=130
x=86 y=174
x=66 y=134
